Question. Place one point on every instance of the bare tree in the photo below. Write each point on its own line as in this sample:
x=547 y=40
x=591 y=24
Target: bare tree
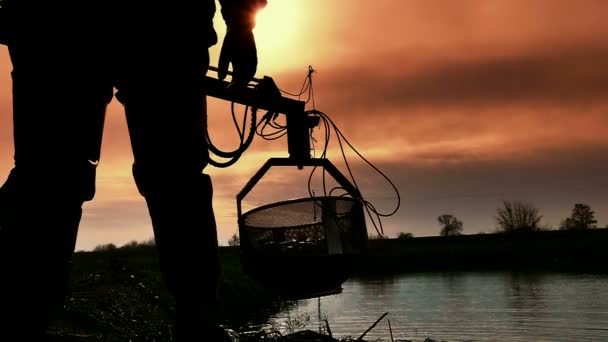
x=582 y=217
x=517 y=217
x=451 y=225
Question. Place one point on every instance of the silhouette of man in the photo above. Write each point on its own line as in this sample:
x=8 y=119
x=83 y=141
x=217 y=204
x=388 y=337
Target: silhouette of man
x=68 y=57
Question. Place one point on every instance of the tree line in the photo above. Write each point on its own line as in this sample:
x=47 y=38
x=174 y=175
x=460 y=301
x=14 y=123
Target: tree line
x=517 y=216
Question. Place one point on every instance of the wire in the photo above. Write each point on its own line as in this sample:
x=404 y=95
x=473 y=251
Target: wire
x=245 y=142
x=269 y=121
x=305 y=85
x=328 y=125
x=374 y=214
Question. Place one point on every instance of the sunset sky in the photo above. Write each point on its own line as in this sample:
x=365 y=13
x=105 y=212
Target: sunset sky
x=462 y=104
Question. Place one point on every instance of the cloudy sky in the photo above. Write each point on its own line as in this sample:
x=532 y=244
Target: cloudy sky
x=462 y=104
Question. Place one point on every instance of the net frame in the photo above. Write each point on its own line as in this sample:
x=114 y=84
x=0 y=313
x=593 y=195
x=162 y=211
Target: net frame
x=326 y=225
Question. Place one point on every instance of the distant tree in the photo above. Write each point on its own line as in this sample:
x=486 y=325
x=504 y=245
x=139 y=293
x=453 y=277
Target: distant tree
x=139 y=244
x=105 y=247
x=582 y=217
x=404 y=236
x=451 y=225
x=517 y=217
x=376 y=237
x=131 y=244
x=235 y=240
x=150 y=242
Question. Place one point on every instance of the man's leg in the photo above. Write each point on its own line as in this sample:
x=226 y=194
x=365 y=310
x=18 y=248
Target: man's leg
x=52 y=177
x=166 y=116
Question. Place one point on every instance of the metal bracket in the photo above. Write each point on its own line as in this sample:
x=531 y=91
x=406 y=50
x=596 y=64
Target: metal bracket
x=319 y=162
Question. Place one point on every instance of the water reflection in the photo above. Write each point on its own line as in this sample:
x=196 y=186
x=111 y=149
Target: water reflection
x=527 y=295
x=468 y=306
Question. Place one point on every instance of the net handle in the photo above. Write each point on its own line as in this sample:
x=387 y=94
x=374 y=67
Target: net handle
x=318 y=162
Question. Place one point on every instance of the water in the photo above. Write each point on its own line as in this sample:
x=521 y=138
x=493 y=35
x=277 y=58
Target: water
x=467 y=306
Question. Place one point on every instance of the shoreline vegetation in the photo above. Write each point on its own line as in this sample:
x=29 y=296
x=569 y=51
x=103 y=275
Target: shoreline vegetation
x=117 y=293
x=577 y=250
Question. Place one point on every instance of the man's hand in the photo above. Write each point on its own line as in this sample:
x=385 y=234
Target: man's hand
x=239 y=50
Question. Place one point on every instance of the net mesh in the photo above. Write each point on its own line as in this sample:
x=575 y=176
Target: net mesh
x=305 y=226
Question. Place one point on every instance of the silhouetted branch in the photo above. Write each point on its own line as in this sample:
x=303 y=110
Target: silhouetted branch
x=372 y=326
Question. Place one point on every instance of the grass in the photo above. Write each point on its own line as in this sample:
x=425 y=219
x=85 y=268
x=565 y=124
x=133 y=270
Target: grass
x=117 y=294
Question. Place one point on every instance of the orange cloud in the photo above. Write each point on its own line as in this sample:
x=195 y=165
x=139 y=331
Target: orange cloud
x=461 y=103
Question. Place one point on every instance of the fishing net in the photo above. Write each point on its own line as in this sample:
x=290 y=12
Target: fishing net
x=314 y=226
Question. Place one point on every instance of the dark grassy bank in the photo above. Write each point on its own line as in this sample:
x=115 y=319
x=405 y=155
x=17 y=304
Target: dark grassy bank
x=117 y=294
x=564 y=250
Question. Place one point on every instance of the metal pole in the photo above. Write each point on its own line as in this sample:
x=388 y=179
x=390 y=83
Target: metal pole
x=215 y=69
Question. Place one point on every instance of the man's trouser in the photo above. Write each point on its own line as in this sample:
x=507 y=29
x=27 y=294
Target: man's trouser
x=63 y=80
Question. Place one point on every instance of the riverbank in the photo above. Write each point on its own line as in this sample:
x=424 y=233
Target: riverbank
x=117 y=294
x=556 y=250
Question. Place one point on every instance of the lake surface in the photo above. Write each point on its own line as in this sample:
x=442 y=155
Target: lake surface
x=465 y=306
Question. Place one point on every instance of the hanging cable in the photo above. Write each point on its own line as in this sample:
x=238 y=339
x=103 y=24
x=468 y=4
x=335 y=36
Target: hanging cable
x=269 y=122
x=245 y=142
x=328 y=125
x=306 y=86
x=374 y=215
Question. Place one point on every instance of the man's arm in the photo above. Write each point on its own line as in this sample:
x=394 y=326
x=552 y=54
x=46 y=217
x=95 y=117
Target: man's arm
x=239 y=47
x=240 y=14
